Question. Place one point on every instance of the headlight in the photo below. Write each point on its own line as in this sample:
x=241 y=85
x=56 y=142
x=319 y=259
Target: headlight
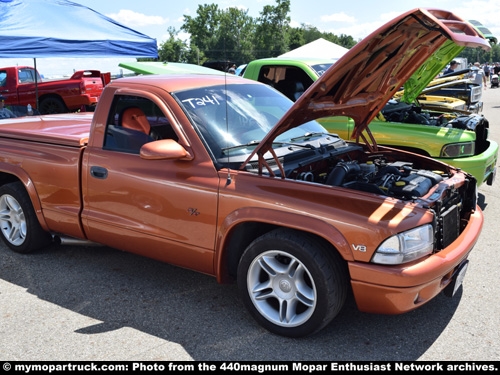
x=456 y=150
x=406 y=246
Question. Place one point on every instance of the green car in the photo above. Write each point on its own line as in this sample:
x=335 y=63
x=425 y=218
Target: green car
x=440 y=130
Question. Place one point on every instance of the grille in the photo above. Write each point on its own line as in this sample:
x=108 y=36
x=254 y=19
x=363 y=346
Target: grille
x=450 y=226
x=476 y=94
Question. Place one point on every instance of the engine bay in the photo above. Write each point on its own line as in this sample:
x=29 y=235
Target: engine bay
x=386 y=171
x=395 y=111
x=378 y=175
x=400 y=175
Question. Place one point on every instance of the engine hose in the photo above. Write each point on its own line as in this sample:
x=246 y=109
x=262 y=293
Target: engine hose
x=339 y=173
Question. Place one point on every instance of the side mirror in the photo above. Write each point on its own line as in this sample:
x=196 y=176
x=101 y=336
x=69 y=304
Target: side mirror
x=166 y=149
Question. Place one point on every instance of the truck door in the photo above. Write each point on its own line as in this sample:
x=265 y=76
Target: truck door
x=164 y=209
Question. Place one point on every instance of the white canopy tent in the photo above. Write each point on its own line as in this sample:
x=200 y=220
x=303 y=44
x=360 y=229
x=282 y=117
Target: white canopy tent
x=319 y=48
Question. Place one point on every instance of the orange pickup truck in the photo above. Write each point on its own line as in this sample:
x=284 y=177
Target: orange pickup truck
x=22 y=85
x=228 y=177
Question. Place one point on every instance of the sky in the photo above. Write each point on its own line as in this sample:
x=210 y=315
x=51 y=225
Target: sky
x=355 y=18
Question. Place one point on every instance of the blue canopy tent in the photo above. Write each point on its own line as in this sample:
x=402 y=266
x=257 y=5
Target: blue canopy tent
x=61 y=28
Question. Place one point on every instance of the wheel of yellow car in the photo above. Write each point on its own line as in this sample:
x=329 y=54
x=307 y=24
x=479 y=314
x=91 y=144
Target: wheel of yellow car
x=292 y=283
x=19 y=227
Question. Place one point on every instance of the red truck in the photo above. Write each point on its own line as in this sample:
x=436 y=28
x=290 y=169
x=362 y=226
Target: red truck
x=228 y=177
x=22 y=85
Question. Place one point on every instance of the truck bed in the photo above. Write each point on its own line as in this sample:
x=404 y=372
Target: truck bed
x=69 y=129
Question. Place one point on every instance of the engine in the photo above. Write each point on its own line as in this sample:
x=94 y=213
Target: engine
x=411 y=114
x=395 y=179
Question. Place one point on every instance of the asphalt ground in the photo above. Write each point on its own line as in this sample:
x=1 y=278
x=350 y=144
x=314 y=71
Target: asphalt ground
x=98 y=304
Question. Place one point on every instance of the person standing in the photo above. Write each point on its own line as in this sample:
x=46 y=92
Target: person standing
x=496 y=68
x=486 y=70
x=452 y=67
x=5 y=112
x=478 y=75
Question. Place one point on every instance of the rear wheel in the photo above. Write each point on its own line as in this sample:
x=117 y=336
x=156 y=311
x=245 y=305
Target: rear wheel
x=291 y=283
x=52 y=104
x=19 y=227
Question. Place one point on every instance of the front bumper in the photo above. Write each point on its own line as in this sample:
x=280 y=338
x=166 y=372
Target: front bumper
x=399 y=289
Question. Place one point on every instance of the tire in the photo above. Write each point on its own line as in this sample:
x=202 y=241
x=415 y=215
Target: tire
x=19 y=227
x=291 y=283
x=52 y=104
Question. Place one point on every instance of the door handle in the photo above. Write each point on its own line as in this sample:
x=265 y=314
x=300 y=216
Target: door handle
x=99 y=172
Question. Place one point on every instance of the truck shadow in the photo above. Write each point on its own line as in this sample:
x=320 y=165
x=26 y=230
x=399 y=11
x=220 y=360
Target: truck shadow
x=207 y=319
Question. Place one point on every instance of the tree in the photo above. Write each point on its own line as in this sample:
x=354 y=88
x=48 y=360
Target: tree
x=204 y=27
x=221 y=34
x=173 y=49
x=480 y=55
x=194 y=55
x=272 y=31
x=295 y=38
x=232 y=35
x=343 y=40
x=311 y=33
x=237 y=29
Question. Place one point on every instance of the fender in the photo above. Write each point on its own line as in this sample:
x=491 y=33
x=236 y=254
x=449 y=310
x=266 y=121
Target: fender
x=278 y=218
x=22 y=176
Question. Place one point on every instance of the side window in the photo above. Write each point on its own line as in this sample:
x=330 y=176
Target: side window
x=289 y=80
x=266 y=76
x=294 y=82
x=134 y=121
x=3 y=78
x=26 y=75
x=271 y=75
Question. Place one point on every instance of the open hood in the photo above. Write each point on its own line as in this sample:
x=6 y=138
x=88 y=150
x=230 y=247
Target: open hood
x=362 y=81
x=158 y=67
x=412 y=87
x=425 y=76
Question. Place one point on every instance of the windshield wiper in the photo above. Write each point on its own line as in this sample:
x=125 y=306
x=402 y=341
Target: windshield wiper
x=290 y=145
x=309 y=135
x=251 y=143
x=276 y=143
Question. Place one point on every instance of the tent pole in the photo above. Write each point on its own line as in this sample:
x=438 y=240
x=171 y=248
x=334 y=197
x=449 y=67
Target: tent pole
x=36 y=84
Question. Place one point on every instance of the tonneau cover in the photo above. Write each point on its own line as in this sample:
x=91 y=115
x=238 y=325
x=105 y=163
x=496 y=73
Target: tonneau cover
x=69 y=129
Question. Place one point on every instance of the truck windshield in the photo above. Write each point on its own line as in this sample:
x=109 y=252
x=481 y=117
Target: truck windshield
x=229 y=116
x=321 y=68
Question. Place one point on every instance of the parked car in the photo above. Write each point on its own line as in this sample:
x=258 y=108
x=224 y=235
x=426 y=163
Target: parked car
x=23 y=85
x=431 y=125
x=460 y=85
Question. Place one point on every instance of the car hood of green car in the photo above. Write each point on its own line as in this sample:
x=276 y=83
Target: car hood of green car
x=362 y=81
x=418 y=83
x=158 y=67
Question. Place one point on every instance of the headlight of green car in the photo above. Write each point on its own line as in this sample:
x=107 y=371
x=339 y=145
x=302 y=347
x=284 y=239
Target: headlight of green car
x=458 y=150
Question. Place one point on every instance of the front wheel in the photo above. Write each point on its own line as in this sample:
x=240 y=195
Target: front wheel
x=19 y=227
x=291 y=283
